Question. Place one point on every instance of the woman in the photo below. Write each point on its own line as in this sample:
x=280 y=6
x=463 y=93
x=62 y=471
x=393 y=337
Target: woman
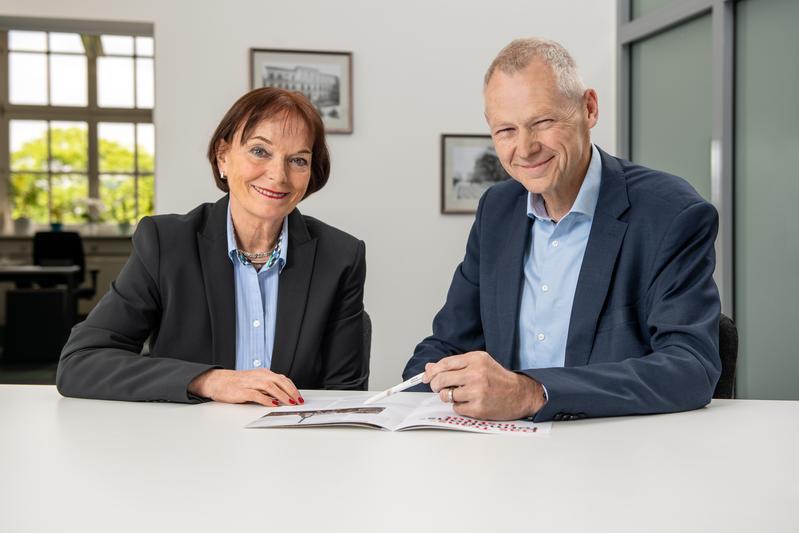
x=243 y=300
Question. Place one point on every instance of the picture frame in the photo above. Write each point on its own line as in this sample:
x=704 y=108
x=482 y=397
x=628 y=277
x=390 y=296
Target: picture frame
x=325 y=77
x=469 y=166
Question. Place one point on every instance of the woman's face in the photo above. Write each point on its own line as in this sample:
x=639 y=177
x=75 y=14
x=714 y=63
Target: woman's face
x=268 y=174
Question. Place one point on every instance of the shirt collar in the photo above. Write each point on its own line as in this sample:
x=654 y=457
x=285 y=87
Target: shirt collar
x=284 y=241
x=587 y=197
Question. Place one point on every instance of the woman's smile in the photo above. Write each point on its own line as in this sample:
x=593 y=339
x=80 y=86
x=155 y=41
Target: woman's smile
x=268 y=193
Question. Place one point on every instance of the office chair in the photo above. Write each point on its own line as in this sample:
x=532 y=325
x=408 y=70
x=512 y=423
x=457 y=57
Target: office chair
x=38 y=322
x=367 y=341
x=367 y=334
x=64 y=248
x=728 y=350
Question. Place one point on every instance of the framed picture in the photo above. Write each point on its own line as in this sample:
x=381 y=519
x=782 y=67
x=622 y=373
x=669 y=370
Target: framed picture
x=324 y=77
x=469 y=166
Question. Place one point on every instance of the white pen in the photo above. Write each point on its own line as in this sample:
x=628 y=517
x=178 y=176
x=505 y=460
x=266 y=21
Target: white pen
x=415 y=380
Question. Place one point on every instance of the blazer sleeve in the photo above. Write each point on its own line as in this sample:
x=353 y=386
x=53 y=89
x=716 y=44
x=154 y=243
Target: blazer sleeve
x=458 y=327
x=345 y=359
x=682 y=317
x=102 y=358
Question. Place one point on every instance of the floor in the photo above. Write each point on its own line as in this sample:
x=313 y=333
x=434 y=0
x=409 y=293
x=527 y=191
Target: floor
x=28 y=374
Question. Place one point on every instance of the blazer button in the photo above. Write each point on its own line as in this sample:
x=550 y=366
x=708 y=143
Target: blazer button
x=581 y=415
x=558 y=417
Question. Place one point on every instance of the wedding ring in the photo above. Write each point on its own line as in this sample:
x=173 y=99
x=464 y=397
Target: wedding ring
x=449 y=394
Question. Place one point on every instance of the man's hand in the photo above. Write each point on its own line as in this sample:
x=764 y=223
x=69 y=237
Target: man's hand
x=241 y=386
x=483 y=388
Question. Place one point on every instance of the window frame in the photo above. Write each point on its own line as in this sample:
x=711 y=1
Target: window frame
x=91 y=114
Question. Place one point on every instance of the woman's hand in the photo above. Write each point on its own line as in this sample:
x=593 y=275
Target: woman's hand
x=241 y=386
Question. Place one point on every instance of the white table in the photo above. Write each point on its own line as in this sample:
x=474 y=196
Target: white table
x=84 y=465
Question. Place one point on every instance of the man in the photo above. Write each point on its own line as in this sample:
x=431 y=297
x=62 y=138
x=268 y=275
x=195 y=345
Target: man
x=587 y=285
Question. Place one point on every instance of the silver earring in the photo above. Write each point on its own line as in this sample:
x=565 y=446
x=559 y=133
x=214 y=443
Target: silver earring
x=222 y=175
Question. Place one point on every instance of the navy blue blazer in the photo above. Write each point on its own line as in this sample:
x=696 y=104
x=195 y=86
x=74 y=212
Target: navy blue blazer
x=643 y=336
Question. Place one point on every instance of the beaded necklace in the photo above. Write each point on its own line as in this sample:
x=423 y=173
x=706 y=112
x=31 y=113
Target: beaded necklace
x=260 y=258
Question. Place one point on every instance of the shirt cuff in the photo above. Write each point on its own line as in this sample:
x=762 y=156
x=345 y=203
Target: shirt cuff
x=531 y=418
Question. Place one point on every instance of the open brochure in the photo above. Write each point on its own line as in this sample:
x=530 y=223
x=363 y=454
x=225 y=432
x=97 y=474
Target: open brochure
x=399 y=412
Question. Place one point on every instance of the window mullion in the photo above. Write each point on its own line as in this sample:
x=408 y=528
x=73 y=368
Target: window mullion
x=93 y=160
x=94 y=145
x=136 y=171
x=50 y=174
x=47 y=72
x=135 y=78
x=5 y=152
x=135 y=136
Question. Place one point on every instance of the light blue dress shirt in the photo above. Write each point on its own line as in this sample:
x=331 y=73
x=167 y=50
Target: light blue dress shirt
x=551 y=267
x=256 y=303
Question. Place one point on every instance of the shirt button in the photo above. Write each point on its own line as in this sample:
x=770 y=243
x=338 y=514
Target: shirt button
x=545 y=288
x=256 y=363
x=555 y=243
x=541 y=336
x=256 y=323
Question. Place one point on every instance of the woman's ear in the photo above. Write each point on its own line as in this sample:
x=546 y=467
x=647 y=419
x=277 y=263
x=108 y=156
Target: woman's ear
x=221 y=156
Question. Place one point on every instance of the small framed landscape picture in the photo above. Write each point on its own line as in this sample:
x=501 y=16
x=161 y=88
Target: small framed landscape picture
x=469 y=166
x=324 y=77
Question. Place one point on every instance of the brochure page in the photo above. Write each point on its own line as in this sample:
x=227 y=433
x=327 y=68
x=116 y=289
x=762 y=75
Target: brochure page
x=402 y=411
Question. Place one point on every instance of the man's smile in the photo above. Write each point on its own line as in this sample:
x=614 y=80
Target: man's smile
x=534 y=166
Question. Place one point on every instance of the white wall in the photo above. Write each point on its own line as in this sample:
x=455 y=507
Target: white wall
x=418 y=68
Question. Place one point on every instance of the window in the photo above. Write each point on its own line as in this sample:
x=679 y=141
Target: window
x=77 y=142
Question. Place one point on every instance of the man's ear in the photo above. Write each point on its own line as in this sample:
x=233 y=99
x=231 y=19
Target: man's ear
x=591 y=107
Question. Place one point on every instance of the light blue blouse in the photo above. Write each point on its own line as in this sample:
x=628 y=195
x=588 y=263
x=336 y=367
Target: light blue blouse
x=256 y=303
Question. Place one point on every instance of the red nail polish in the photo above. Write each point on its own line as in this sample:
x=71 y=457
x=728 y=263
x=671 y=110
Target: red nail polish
x=301 y=400
x=292 y=402
x=275 y=402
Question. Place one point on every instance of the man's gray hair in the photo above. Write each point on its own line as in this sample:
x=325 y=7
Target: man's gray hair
x=521 y=52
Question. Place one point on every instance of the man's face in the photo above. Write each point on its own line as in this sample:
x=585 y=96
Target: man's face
x=541 y=136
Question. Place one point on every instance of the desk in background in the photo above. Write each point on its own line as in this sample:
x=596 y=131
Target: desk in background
x=85 y=465
x=38 y=321
x=23 y=274
x=105 y=253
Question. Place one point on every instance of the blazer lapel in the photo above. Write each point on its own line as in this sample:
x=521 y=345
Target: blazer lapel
x=604 y=243
x=218 y=280
x=292 y=293
x=510 y=266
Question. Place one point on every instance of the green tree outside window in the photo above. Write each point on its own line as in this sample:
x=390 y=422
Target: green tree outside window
x=68 y=185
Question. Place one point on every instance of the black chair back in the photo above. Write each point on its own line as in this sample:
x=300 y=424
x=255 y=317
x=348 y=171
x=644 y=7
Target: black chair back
x=367 y=341
x=367 y=334
x=728 y=350
x=59 y=248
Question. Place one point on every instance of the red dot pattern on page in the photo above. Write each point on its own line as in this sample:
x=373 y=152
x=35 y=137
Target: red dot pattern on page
x=483 y=425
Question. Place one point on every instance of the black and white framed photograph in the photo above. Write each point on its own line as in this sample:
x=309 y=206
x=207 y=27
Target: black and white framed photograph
x=469 y=166
x=324 y=77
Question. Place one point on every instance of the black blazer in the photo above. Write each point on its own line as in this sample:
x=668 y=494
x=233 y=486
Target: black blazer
x=177 y=288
